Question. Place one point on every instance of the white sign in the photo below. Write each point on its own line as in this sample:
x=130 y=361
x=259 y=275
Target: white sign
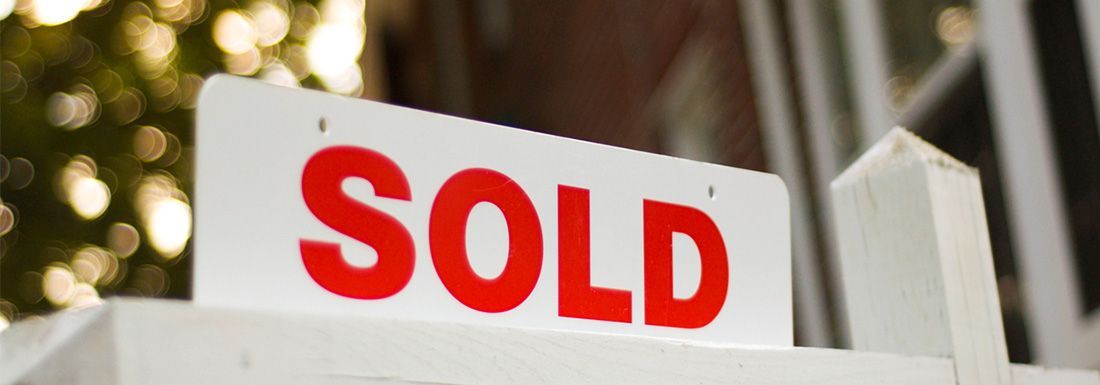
x=310 y=202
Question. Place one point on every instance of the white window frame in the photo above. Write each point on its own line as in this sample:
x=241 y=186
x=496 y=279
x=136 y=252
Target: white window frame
x=1059 y=331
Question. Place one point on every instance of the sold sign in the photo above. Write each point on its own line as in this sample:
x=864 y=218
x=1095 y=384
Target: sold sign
x=321 y=187
x=309 y=202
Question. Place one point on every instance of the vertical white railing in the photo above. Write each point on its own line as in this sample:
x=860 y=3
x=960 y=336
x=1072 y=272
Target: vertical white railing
x=1033 y=194
x=780 y=139
x=813 y=66
x=865 y=36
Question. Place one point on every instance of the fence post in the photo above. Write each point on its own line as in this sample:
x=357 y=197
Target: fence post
x=916 y=259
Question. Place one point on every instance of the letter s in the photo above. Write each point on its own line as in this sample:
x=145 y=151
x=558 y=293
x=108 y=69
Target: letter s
x=322 y=190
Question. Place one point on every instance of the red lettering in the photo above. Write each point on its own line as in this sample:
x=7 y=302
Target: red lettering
x=660 y=221
x=447 y=236
x=322 y=189
x=577 y=297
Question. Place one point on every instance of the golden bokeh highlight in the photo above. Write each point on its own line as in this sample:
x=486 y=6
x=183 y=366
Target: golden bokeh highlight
x=149 y=36
x=234 y=32
x=84 y=295
x=54 y=12
x=172 y=151
x=330 y=49
x=279 y=73
x=335 y=44
x=305 y=18
x=297 y=61
x=149 y=143
x=165 y=214
x=245 y=63
x=181 y=13
x=89 y=197
x=125 y=82
x=7 y=219
x=6 y=8
x=123 y=239
x=283 y=43
x=189 y=86
x=955 y=25
x=8 y=313
x=129 y=106
x=149 y=280
x=58 y=284
x=151 y=43
x=76 y=184
x=271 y=21
x=95 y=266
x=76 y=108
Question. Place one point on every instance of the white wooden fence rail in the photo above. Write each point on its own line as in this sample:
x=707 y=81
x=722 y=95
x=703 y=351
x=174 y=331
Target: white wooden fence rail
x=917 y=268
x=132 y=341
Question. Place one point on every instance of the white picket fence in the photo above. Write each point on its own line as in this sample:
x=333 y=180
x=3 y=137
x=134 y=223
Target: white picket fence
x=918 y=275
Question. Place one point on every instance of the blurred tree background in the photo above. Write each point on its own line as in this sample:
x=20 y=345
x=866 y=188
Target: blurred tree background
x=97 y=109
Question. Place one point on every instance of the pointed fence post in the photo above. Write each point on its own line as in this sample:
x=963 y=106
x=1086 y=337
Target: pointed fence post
x=916 y=258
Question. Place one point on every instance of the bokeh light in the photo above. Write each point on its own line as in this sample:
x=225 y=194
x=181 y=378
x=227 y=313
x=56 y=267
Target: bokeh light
x=150 y=280
x=77 y=185
x=6 y=7
x=54 y=12
x=89 y=197
x=7 y=219
x=149 y=143
x=279 y=73
x=955 y=25
x=129 y=105
x=271 y=21
x=95 y=266
x=168 y=224
x=329 y=52
x=305 y=18
x=8 y=313
x=181 y=13
x=97 y=129
x=166 y=216
x=335 y=45
x=84 y=295
x=58 y=284
x=234 y=32
x=245 y=63
x=74 y=109
x=123 y=239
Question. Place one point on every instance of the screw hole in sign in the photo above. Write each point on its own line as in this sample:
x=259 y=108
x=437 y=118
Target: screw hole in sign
x=323 y=125
x=712 y=192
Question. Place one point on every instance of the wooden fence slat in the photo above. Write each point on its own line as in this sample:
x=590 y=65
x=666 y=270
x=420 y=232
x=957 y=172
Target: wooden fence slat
x=916 y=259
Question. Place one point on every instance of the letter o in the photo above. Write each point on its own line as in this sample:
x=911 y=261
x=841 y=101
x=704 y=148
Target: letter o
x=447 y=237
